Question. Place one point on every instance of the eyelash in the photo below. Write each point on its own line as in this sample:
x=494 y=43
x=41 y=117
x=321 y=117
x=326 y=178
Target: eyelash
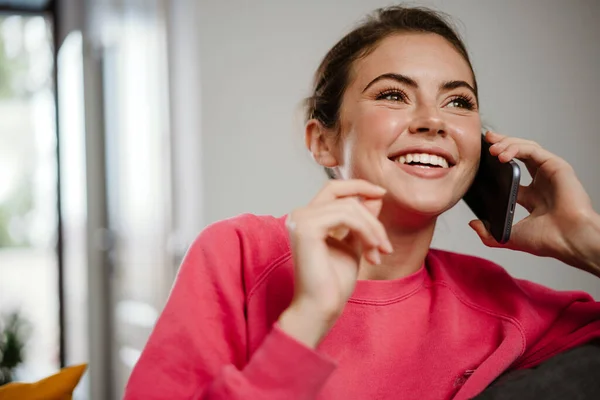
x=399 y=92
x=465 y=102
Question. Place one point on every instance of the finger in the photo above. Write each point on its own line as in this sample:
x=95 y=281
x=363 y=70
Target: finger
x=371 y=255
x=508 y=153
x=523 y=152
x=345 y=214
x=348 y=248
x=534 y=156
x=368 y=210
x=522 y=239
x=485 y=236
x=493 y=137
x=354 y=241
x=370 y=215
x=518 y=235
x=531 y=153
x=507 y=149
x=373 y=206
x=345 y=188
x=315 y=225
x=501 y=145
x=526 y=198
x=501 y=142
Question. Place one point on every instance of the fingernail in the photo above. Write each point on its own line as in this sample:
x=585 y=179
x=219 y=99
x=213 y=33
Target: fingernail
x=375 y=257
x=387 y=247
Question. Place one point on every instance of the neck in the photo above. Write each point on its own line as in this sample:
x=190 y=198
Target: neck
x=411 y=243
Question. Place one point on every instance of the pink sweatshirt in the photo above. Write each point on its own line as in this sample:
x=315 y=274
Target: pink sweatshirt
x=447 y=331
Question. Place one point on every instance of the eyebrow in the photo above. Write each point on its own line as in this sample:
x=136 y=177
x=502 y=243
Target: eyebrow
x=394 y=77
x=448 y=85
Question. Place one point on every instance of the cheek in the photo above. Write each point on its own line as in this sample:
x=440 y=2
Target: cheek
x=468 y=140
x=470 y=155
x=379 y=126
x=467 y=137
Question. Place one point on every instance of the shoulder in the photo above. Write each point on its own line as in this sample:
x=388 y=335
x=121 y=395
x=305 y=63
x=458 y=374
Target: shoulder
x=257 y=233
x=464 y=269
x=244 y=245
x=246 y=228
x=488 y=285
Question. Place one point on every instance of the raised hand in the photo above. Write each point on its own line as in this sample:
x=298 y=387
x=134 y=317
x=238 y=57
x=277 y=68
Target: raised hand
x=329 y=237
x=560 y=209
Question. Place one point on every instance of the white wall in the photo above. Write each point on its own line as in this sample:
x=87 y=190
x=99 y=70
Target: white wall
x=536 y=61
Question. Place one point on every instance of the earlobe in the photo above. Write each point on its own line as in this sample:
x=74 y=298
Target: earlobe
x=320 y=142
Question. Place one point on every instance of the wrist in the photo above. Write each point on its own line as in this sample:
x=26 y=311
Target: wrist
x=306 y=324
x=584 y=244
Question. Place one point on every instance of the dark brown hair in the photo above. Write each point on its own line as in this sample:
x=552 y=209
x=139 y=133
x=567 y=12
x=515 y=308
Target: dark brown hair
x=334 y=73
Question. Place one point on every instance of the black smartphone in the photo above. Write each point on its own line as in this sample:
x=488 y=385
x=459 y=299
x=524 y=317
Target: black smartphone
x=493 y=194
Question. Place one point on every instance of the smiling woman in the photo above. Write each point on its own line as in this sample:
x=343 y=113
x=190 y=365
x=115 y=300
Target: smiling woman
x=344 y=298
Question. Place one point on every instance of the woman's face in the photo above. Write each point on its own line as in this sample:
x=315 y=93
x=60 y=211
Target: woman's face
x=410 y=123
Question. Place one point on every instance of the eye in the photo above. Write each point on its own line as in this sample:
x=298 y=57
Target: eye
x=461 y=102
x=394 y=95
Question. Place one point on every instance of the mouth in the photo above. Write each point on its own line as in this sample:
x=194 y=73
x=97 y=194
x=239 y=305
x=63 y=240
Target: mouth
x=432 y=157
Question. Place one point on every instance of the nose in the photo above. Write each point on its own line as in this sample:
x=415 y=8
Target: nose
x=428 y=121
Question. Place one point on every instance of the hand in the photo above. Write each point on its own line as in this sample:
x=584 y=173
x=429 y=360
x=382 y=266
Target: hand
x=559 y=207
x=329 y=237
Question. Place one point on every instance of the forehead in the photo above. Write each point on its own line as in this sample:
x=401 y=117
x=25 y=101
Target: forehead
x=422 y=56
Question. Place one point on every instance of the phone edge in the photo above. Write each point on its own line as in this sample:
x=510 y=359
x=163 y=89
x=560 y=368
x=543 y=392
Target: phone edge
x=512 y=203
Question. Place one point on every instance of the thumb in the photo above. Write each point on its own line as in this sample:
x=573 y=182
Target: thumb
x=485 y=236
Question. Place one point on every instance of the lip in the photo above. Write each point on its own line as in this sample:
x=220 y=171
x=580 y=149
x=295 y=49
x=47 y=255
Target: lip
x=436 y=150
x=426 y=173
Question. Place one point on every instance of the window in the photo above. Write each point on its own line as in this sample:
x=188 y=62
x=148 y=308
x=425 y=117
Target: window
x=28 y=189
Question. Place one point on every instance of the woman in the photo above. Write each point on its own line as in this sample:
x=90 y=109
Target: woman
x=343 y=298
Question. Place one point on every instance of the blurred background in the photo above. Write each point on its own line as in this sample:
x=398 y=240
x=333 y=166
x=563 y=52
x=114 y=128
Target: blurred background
x=126 y=126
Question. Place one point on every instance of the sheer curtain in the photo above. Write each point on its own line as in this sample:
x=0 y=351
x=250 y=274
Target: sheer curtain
x=129 y=37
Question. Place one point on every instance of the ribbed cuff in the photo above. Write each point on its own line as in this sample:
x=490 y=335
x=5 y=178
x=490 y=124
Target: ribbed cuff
x=287 y=367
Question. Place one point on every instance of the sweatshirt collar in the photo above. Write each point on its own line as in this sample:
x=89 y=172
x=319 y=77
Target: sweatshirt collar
x=389 y=291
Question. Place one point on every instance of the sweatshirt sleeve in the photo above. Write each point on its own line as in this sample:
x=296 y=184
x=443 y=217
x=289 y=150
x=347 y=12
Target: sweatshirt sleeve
x=198 y=347
x=562 y=320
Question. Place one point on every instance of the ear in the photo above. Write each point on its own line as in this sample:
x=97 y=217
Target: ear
x=322 y=144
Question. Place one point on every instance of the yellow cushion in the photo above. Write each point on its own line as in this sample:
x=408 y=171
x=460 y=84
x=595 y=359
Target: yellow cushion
x=56 y=387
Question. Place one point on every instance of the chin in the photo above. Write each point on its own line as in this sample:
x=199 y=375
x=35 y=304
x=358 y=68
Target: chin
x=426 y=205
x=427 y=208
x=423 y=197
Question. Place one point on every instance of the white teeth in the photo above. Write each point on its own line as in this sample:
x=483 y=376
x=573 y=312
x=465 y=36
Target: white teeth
x=423 y=158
